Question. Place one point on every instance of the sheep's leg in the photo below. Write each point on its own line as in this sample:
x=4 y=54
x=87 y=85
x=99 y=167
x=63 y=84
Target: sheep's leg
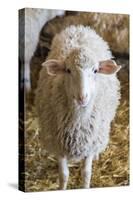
x=63 y=173
x=86 y=171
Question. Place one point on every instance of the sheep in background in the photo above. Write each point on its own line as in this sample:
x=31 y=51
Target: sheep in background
x=113 y=28
x=76 y=99
x=31 y=21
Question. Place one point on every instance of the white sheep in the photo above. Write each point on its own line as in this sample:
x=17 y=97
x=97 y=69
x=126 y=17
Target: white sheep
x=31 y=21
x=76 y=99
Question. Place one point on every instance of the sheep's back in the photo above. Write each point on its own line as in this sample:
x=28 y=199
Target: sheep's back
x=79 y=37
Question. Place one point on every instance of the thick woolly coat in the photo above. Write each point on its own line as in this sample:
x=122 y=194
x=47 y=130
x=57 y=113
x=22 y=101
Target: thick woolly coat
x=66 y=129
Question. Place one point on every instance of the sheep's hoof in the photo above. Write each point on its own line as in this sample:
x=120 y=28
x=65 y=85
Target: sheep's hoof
x=62 y=187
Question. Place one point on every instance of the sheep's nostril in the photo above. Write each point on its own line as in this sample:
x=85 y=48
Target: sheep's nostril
x=86 y=95
x=82 y=98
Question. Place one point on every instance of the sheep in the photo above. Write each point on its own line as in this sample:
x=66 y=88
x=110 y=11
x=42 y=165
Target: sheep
x=31 y=21
x=76 y=99
x=113 y=28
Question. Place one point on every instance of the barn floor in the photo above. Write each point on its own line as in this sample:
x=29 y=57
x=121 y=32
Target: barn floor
x=112 y=168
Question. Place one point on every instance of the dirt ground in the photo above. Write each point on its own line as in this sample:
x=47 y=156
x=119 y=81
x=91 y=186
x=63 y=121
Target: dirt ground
x=112 y=168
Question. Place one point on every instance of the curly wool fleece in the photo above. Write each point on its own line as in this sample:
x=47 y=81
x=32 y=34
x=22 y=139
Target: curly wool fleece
x=65 y=129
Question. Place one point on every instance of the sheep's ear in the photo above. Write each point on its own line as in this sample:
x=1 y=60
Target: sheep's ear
x=54 y=67
x=108 y=67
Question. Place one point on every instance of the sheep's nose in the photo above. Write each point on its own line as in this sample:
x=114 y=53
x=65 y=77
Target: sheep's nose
x=82 y=98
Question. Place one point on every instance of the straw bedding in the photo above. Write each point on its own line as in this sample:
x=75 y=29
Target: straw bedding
x=112 y=168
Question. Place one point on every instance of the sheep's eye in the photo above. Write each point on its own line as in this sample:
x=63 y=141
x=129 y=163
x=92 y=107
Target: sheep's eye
x=95 y=71
x=68 y=71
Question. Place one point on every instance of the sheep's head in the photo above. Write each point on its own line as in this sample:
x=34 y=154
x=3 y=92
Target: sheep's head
x=80 y=80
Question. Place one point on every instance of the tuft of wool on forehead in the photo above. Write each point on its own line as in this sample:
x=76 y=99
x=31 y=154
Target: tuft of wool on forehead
x=79 y=57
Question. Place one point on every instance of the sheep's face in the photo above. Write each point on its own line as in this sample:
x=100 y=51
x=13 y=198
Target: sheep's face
x=80 y=83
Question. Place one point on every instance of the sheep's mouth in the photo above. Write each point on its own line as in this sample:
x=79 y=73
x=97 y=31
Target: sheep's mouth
x=80 y=103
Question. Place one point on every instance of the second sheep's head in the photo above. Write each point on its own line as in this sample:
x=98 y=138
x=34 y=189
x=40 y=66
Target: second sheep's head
x=80 y=74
